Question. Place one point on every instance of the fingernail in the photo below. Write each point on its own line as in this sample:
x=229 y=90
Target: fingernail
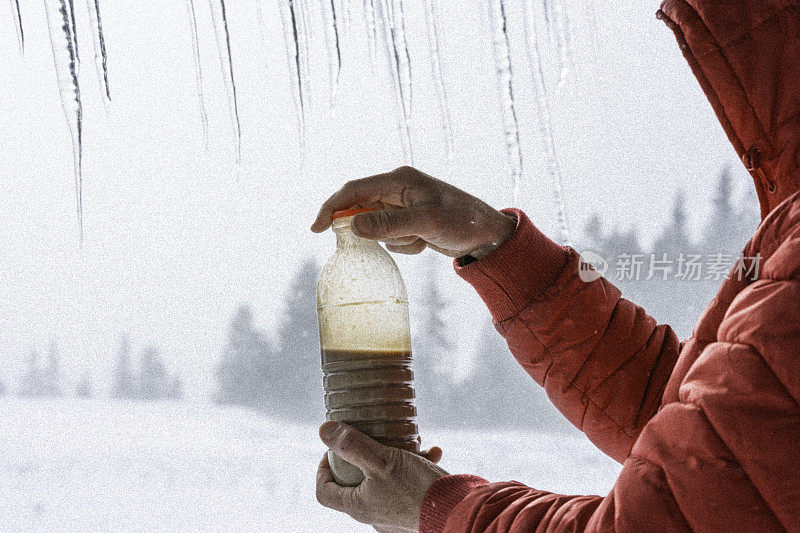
x=329 y=431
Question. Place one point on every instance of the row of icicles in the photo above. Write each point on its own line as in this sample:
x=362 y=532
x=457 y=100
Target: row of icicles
x=385 y=24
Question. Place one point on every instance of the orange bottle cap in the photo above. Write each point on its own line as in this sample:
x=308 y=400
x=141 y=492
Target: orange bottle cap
x=350 y=212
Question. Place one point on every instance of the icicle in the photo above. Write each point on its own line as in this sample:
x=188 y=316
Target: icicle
x=372 y=31
x=545 y=120
x=303 y=21
x=547 y=14
x=226 y=64
x=563 y=42
x=292 y=47
x=541 y=94
x=18 y=25
x=556 y=22
x=100 y=58
x=404 y=61
x=198 y=69
x=233 y=86
x=432 y=27
x=331 y=47
x=308 y=28
x=342 y=17
x=300 y=22
x=400 y=73
x=65 y=61
x=73 y=35
x=502 y=55
x=338 y=44
x=347 y=23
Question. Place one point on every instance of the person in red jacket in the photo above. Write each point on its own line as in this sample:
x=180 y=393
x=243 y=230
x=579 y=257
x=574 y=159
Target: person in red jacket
x=708 y=430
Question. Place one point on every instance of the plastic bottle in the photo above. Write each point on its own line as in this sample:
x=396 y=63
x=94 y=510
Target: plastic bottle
x=365 y=340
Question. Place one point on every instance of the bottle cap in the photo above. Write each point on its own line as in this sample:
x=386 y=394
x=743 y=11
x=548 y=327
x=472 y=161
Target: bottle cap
x=350 y=212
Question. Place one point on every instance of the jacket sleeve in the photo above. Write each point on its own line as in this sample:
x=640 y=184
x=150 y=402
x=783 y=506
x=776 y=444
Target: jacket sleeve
x=714 y=460
x=602 y=360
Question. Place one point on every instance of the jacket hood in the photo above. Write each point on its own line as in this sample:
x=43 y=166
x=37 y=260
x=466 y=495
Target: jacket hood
x=746 y=56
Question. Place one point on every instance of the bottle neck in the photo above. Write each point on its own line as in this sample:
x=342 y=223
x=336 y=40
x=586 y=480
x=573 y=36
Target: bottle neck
x=345 y=238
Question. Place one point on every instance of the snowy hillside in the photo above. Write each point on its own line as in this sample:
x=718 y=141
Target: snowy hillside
x=69 y=465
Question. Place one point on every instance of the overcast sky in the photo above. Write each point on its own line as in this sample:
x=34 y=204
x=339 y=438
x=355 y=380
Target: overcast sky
x=175 y=238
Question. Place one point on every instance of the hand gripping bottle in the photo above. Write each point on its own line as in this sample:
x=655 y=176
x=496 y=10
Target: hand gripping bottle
x=364 y=335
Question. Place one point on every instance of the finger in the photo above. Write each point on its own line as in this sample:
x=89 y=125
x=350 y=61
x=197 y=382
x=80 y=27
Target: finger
x=379 y=188
x=329 y=493
x=324 y=472
x=414 y=248
x=356 y=448
x=445 y=251
x=334 y=496
x=433 y=455
x=401 y=241
x=394 y=223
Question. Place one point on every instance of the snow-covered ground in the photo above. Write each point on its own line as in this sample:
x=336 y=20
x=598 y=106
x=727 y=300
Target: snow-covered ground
x=97 y=465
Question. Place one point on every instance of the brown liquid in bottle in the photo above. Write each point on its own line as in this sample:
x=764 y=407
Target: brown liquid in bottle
x=373 y=392
x=364 y=333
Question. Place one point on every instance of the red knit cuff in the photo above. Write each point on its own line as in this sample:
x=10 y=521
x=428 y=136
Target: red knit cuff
x=442 y=497
x=518 y=271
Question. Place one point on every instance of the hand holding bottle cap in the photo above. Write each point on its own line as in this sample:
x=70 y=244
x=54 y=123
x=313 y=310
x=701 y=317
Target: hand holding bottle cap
x=409 y=211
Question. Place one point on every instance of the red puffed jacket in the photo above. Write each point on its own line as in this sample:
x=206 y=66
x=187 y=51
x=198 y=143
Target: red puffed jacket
x=708 y=430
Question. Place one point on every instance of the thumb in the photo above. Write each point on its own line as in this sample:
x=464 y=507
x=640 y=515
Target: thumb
x=355 y=447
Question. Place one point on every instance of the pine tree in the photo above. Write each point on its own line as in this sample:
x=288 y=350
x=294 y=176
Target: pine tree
x=679 y=299
x=124 y=385
x=436 y=397
x=593 y=229
x=296 y=374
x=84 y=387
x=731 y=225
x=623 y=242
x=502 y=394
x=30 y=383
x=723 y=202
x=243 y=368
x=674 y=239
x=152 y=375
x=175 y=391
x=51 y=376
x=721 y=233
x=618 y=245
x=748 y=212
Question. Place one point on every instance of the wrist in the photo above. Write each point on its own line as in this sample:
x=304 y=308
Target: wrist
x=442 y=497
x=518 y=271
x=501 y=228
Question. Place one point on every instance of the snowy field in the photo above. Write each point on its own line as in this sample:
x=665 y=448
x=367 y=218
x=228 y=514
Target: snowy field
x=96 y=465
